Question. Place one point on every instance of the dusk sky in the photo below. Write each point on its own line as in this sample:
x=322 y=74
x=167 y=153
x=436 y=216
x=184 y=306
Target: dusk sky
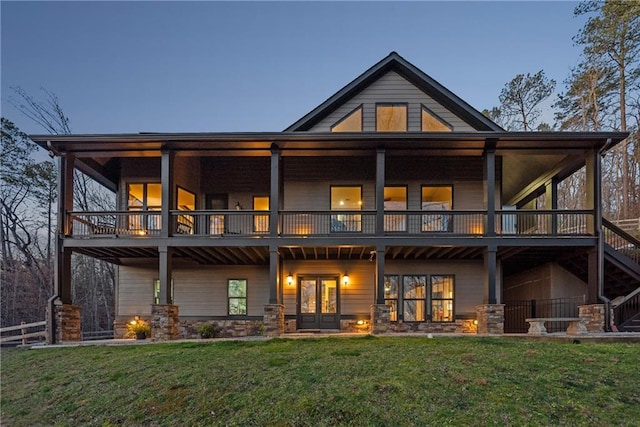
x=120 y=67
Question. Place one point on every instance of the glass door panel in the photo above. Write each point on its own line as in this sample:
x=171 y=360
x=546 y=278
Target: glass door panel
x=308 y=296
x=318 y=302
x=329 y=291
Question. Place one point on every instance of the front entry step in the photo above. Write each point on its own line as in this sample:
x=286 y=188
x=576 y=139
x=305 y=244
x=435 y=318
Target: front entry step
x=633 y=326
x=317 y=331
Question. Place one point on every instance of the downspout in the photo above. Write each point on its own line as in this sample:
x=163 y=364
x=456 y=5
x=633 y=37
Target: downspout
x=600 y=235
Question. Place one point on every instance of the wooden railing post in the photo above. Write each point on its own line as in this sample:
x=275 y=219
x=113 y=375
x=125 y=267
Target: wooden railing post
x=23 y=331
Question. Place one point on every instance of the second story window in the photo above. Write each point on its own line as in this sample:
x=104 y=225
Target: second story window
x=144 y=197
x=435 y=199
x=391 y=117
x=261 y=222
x=346 y=199
x=352 y=122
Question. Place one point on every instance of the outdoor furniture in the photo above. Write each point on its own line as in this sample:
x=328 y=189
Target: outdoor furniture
x=576 y=325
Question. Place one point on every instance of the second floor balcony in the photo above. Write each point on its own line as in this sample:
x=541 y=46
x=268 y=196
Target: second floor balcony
x=249 y=223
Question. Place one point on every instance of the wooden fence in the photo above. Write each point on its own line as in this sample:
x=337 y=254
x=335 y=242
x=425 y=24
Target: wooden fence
x=24 y=334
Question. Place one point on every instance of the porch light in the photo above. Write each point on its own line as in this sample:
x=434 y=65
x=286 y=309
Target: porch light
x=290 y=279
x=345 y=279
x=360 y=322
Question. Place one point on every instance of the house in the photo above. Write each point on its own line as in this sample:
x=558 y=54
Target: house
x=392 y=206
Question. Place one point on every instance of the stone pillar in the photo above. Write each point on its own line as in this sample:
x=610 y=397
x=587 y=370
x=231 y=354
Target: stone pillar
x=120 y=328
x=66 y=323
x=380 y=320
x=273 y=320
x=490 y=318
x=594 y=315
x=165 y=322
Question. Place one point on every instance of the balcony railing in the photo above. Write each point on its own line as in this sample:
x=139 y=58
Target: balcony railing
x=230 y=223
x=129 y=223
x=544 y=223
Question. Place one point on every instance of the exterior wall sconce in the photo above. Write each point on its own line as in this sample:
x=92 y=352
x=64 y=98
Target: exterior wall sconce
x=360 y=322
x=290 y=280
x=345 y=279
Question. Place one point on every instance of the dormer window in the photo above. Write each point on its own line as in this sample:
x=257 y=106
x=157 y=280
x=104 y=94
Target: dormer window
x=432 y=123
x=391 y=117
x=352 y=122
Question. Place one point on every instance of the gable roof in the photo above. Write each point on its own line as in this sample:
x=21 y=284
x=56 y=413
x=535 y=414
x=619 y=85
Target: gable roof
x=394 y=62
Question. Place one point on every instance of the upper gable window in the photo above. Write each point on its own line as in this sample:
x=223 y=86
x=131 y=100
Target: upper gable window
x=391 y=117
x=352 y=122
x=432 y=123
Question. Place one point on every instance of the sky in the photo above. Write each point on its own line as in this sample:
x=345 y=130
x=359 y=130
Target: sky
x=128 y=67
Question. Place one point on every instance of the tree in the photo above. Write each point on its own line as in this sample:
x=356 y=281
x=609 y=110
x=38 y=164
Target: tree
x=611 y=40
x=93 y=280
x=27 y=268
x=520 y=100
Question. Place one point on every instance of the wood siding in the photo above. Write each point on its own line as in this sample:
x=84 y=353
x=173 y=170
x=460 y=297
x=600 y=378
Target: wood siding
x=392 y=88
x=202 y=291
x=307 y=181
x=198 y=291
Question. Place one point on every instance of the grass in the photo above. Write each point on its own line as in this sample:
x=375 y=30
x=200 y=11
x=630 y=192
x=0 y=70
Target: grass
x=325 y=382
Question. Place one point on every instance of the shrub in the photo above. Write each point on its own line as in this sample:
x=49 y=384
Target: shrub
x=206 y=330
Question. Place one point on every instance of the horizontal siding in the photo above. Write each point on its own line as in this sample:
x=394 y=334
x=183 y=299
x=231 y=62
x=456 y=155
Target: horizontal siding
x=392 y=88
x=198 y=291
x=202 y=291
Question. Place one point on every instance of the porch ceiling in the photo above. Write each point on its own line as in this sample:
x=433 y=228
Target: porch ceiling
x=259 y=255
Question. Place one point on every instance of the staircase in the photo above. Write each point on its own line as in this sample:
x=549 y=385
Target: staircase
x=621 y=274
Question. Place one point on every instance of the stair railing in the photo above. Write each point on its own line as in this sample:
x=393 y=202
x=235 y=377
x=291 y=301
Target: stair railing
x=621 y=241
x=627 y=308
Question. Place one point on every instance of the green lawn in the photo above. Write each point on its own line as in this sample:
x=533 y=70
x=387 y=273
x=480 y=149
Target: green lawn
x=326 y=381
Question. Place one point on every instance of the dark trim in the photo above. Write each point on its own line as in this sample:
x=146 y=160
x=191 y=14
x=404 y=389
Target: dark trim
x=391 y=104
x=235 y=316
x=437 y=117
x=453 y=299
x=359 y=107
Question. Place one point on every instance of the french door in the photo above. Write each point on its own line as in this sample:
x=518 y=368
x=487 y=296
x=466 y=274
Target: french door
x=318 y=302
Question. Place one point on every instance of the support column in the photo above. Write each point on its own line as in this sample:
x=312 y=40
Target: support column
x=165 y=273
x=166 y=178
x=165 y=322
x=66 y=323
x=274 y=275
x=274 y=194
x=380 y=319
x=593 y=188
x=273 y=320
x=62 y=273
x=490 y=318
x=490 y=185
x=594 y=316
x=380 y=178
x=551 y=203
x=380 y=250
x=490 y=274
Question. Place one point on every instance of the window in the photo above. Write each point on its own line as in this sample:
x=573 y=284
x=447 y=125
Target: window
x=144 y=197
x=437 y=198
x=237 y=297
x=414 y=298
x=261 y=222
x=217 y=202
x=186 y=202
x=395 y=199
x=430 y=122
x=352 y=122
x=391 y=296
x=391 y=117
x=156 y=291
x=442 y=298
x=346 y=199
